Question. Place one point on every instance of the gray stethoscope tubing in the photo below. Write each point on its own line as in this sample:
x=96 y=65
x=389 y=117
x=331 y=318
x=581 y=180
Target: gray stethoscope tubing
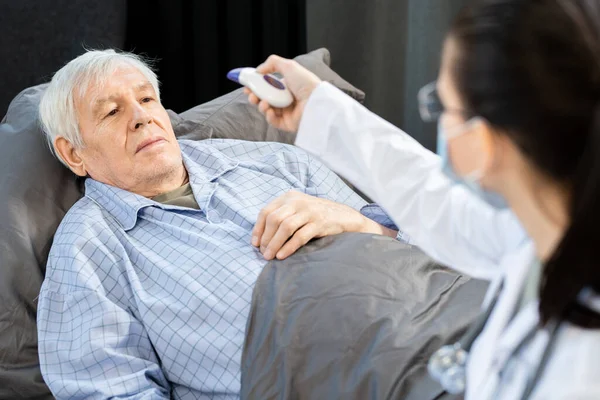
x=447 y=365
x=541 y=366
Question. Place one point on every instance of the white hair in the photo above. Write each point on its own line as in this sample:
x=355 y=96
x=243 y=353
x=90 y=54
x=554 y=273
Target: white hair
x=58 y=114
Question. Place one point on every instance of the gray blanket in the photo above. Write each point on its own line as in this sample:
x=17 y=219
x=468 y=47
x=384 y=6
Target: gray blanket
x=354 y=316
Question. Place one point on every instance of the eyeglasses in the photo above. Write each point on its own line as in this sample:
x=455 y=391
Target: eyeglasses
x=431 y=107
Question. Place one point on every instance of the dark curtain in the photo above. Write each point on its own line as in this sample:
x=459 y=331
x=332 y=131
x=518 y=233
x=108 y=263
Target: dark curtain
x=196 y=42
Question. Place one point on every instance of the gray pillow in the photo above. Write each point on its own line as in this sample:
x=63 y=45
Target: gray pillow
x=36 y=191
x=232 y=117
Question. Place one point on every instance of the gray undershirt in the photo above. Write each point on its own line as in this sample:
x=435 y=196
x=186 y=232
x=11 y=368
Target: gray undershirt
x=182 y=197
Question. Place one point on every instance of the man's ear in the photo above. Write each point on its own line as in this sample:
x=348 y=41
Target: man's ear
x=69 y=154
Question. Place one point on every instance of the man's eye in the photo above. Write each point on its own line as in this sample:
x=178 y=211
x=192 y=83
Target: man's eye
x=112 y=112
x=146 y=99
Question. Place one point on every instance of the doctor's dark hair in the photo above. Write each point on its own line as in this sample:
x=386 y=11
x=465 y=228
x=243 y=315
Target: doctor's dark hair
x=532 y=69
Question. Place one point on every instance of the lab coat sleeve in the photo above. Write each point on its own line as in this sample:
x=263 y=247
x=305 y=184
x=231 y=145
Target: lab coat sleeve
x=448 y=222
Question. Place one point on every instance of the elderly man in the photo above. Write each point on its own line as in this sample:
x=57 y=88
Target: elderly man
x=150 y=275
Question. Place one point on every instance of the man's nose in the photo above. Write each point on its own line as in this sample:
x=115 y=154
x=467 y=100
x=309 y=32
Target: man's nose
x=140 y=118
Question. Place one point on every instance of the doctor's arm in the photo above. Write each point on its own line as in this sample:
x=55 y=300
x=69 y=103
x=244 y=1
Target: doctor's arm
x=445 y=220
x=449 y=223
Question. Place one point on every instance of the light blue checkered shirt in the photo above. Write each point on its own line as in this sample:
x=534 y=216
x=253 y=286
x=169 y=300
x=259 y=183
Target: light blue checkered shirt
x=149 y=301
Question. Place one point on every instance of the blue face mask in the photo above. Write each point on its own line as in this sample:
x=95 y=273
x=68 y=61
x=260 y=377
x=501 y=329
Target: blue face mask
x=492 y=198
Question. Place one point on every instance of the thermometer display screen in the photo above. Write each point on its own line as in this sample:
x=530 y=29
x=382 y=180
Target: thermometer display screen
x=274 y=82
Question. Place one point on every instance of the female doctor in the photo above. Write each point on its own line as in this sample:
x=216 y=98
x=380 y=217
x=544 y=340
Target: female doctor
x=518 y=104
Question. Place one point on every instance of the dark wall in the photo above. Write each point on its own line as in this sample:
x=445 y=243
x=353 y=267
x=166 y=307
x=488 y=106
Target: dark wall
x=388 y=48
x=195 y=42
x=37 y=37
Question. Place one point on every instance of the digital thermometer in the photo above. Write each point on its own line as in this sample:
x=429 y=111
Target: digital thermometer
x=265 y=87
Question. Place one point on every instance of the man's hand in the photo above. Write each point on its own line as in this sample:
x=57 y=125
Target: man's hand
x=293 y=219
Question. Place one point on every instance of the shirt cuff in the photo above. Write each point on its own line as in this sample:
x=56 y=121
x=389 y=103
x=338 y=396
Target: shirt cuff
x=375 y=213
x=403 y=237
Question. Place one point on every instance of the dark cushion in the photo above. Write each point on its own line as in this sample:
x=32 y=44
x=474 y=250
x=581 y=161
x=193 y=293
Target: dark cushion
x=36 y=191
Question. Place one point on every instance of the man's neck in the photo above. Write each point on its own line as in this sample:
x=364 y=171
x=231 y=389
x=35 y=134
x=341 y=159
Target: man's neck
x=168 y=183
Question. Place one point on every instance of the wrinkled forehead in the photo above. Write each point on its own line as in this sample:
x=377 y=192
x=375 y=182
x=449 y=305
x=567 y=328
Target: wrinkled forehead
x=115 y=78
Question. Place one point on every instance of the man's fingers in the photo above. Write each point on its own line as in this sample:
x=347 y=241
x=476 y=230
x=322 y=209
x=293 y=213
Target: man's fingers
x=261 y=220
x=286 y=229
x=300 y=238
x=273 y=220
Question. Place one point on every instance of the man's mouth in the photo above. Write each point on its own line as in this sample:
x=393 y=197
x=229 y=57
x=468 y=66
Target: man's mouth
x=148 y=143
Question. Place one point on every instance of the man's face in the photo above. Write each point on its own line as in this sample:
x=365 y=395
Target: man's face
x=128 y=138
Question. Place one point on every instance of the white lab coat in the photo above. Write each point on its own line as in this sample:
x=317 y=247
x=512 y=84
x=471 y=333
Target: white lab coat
x=460 y=230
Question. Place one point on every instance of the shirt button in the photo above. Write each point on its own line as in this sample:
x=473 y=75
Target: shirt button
x=214 y=217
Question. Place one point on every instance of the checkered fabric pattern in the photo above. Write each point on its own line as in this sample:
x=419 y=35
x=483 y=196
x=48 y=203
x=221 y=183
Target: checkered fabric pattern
x=149 y=301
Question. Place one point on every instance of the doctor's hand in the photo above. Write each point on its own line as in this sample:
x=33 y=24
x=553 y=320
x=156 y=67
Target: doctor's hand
x=300 y=81
x=292 y=220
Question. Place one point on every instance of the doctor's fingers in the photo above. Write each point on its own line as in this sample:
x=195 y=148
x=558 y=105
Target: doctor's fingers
x=252 y=98
x=274 y=64
x=263 y=106
x=275 y=116
x=284 y=231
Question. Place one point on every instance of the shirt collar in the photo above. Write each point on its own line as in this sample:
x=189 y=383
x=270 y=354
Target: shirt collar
x=204 y=165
